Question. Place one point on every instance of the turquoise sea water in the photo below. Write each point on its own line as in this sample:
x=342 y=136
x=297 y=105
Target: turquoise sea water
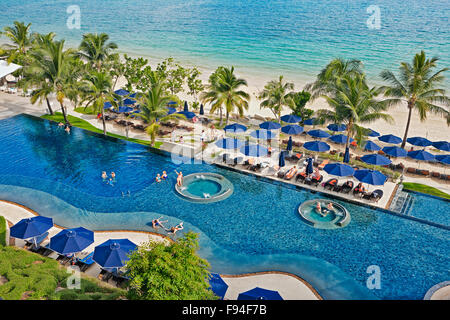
x=270 y=37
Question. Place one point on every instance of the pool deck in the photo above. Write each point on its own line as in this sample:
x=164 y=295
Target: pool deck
x=289 y=286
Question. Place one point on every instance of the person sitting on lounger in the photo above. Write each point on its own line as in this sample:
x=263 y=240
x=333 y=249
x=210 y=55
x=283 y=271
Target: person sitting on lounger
x=291 y=172
x=316 y=174
x=156 y=223
x=176 y=228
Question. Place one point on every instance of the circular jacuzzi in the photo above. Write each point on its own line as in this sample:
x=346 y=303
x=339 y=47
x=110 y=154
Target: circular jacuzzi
x=205 y=187
x=328 y=218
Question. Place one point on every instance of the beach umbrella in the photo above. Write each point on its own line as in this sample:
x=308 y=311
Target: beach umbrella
x=186 y=109
x=340 y=138
x=373 y=133
x=317 y=146
x=421 y=155
x=291 y=118
x=347 y=155
x=443 y=158
x=269 y=125
x=170 y=103
x=281 y=161
x=129 y=102
x=254 y=150
x=171 y=110
x=124 y=109
x=337 y=127
x=309 y=166
x=187 y=114
x=263 y=134
x=229 y=143
x=235 y=128
x=113 y=253
x=289 y=144
x=339 y=169
x=218 y=286
x=419 y=141
x=371 y=146
x=133 y=95
x=202 y=112
x=372 y=177
x=107 y=105
x=31 y=227
x=390 y=138
x=122 y=92
x=310 y=122
x=375 y=159
x=292 y=129
x=395 y=151
x=319 y=133
x=260 y=294
x=71 y=240
x=442 y=145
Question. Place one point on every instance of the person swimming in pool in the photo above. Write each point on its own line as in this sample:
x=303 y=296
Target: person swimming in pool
x=176 y=228
x=104 y=175
x=67 y=129
x=158 y=178
x=318 y=207
x=164 y=175
x=60 y=124
x=113 y=175
x=156 y=223
x=179 y=178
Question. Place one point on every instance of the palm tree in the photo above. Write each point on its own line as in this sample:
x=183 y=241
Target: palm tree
x=54 y=67
x=97 y=88
x=21 y=41
x=353 y=103
x=154 y=109
x=418 y=86
x=332 y=73
x=224 y=91
x=276 y=95
x=95 y=48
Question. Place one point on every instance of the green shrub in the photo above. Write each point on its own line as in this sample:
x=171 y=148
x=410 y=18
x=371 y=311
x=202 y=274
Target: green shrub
x=2 y=231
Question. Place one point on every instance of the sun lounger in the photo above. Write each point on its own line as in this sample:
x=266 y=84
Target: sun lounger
x=375 y=195
x=347 y=187
x=281 y=173
x=237 y=160
x=255 y=167
x=105 y=275
x=290 y=174
x=411 y=170
x=314 y=181
x=86 y=262
x=330 y=184
x=359 y=190
x=301 y=176
x=323 y=164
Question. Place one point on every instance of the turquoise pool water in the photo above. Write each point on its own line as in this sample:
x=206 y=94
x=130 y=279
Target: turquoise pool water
x=200 y=187
x=257 y=228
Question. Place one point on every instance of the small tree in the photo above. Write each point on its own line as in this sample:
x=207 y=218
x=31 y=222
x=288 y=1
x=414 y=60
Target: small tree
x=194 y=84
x=173 y=74
x=298 y=105
x=169 y=272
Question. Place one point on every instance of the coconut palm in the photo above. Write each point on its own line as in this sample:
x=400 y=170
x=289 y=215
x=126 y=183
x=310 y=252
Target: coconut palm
x=97 y=89
x=154 y=109
x=95 y=48
x=21 y=40
x=353 y=103
x=224 y=91
x=417 y=86
x=54 y=67
x=276 y=95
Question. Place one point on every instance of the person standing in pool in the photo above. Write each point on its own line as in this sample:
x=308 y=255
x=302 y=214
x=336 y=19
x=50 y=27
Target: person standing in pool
x=104 y=175
x=158 y=178
x=179 y=178
x=164 y=175
x=113 y=175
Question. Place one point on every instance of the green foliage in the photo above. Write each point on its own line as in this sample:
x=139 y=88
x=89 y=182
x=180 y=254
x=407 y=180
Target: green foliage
x=95 y=49
x=425 y=189
x=31 y=276
x=194 y=84
x=173 y=272
x=276 y=95
x=173 y=74
x=2 y=231
x=298 y=105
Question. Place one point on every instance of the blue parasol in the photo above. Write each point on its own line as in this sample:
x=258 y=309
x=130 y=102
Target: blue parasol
x=263 y=134
x=373 y=133
x=390 y=138
x=291 y=118
x=442 y=145
x=443 y=158
x=254 y=150
x=218 y=286
x=31 y=227
x=337 y=127
x=340 y=138
x=281 y=161
x=317 y=146
x=260 y=294
x=235 y=128
x=319 y=133
x=113 y=253
x=421 y=155
x=229 y=143
x=71 y=240
x=371 y=146
x=395 y=151
x=292 y=129
x=122 y=92
x=372 y=177
x=375 y=159
x=419 y=141
x=310 y=122
x=187 y=114
x=339 y=169
x=269 y=125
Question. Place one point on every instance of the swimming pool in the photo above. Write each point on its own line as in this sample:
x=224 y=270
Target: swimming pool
x=257 y=228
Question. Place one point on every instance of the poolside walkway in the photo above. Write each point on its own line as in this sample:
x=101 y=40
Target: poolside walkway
x=290 y=287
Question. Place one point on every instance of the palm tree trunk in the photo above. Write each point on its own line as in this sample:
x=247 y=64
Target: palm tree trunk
x=408 y=122
x=49 y=106
x=64 y=114
x=226 y=119
x=220 y=113
x=104 y=123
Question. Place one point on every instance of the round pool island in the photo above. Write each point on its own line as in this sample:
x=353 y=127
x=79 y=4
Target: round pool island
x=205 y=187
x=337 y=217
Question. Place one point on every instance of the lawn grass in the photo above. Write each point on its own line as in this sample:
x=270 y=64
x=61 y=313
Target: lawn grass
x=83 y=124
x=425 y=189
x=84 y=110
x=2 y=231
x=29 y=276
